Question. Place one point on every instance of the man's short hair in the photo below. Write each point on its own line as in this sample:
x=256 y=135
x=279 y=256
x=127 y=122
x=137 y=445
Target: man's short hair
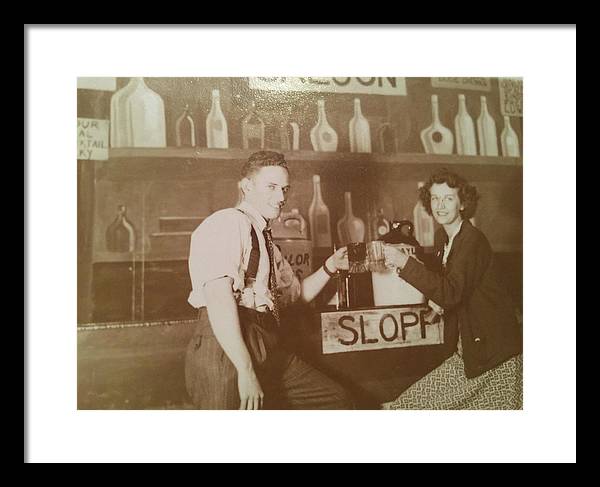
x=261 y=159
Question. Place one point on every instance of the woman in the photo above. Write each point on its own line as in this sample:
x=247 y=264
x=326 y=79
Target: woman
x=485 y=370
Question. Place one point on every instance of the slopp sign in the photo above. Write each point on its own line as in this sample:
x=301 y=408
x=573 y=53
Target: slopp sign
x=379 y=328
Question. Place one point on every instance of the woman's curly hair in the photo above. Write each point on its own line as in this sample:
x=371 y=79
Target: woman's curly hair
x=467 y=193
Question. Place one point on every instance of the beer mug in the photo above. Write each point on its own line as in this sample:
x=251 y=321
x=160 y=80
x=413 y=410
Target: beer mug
x=357 y=255
x=375 y=259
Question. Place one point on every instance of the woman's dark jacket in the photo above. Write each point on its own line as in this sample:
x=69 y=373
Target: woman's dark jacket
x=469 y=291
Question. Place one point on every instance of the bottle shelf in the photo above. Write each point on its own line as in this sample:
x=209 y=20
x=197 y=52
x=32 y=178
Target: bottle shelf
x=182 y=163
x=199 y=153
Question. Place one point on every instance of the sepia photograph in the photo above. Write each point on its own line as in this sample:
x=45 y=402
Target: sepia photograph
x=300 y=243
x=267 y=256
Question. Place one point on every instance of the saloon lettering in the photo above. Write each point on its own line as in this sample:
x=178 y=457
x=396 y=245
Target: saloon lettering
x=365 y=85
x=337 y=81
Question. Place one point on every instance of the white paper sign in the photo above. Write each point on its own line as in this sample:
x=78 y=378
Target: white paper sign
x=359 y=85
x=511 y=96
x=92 y=139
x=465 y=83
x=105 y=84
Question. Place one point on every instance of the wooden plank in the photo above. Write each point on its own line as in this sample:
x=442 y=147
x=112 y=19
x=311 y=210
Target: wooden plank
x=379 y=328
x=237 y=155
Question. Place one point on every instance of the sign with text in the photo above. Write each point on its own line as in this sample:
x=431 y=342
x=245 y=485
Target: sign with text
x=480 y=84
x=366 y=85
x=511 y=96
x=92 y=139
x=378 y=328
x=104 y=84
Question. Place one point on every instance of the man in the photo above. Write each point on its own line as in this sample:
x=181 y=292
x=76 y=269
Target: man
x=240 y=281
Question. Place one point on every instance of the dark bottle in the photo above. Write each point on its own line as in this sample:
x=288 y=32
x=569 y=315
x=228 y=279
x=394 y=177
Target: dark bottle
x=381 y=226
x=120 y=234
x=185 y=130
x=253 y=130
x=356 y=286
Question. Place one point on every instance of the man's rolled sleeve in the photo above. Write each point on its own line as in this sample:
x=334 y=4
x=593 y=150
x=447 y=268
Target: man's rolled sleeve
x=216 y=251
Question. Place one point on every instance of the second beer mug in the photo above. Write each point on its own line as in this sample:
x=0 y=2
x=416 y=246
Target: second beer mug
x=375 y=257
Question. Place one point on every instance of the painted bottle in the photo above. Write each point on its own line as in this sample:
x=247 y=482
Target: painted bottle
x=464 y=129
x=216 y=125
x=423 y=221
x=486 y=131
x=509 y=140
x=360 y=132
x=120 y=234
x=253 y=130
x=350 y=228
x=322 y=136
x=318 y=217
x=436 y=138
x=185 y=130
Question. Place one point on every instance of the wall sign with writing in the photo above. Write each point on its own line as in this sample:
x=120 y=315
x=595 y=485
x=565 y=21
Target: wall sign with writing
x=378 y=328
x=363 y=85
x=511 y=96
x=480 y=84
x=92 y=139
x=104 y=84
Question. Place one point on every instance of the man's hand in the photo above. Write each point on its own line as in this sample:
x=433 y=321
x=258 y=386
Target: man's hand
x=339 y=260
x=251 y=394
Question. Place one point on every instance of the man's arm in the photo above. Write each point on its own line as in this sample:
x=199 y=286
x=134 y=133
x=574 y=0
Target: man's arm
x=312 y=285
x=225 y=322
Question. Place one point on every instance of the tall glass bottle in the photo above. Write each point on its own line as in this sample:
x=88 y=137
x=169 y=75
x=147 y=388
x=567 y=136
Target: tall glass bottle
x=350 y=228
x=424 y=228
x=465 y=130
x=360 y=132
x=137 y=117
x=436 y=138
x=120 y=126
x=509 y=140
x=322 y=136
x=216 y=125
x=386 y=136
x=253 y=130
x=120 y=234
x=146 y=111
x=289 y=135
x=486 y=131
x=318 y=217
x=185 y=130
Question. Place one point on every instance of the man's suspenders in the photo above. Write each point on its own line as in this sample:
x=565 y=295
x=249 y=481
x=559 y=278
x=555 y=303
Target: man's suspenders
x=254 y=253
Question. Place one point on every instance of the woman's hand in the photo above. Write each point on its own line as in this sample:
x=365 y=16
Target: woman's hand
x=437 y=309
x=338 y=261
x=394 y=257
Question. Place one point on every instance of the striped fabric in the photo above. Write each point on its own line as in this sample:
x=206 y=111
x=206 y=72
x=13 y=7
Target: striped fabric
x=287 y=381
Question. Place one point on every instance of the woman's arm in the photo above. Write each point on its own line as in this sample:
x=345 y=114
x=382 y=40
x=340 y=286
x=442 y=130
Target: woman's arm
x=469 y=261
